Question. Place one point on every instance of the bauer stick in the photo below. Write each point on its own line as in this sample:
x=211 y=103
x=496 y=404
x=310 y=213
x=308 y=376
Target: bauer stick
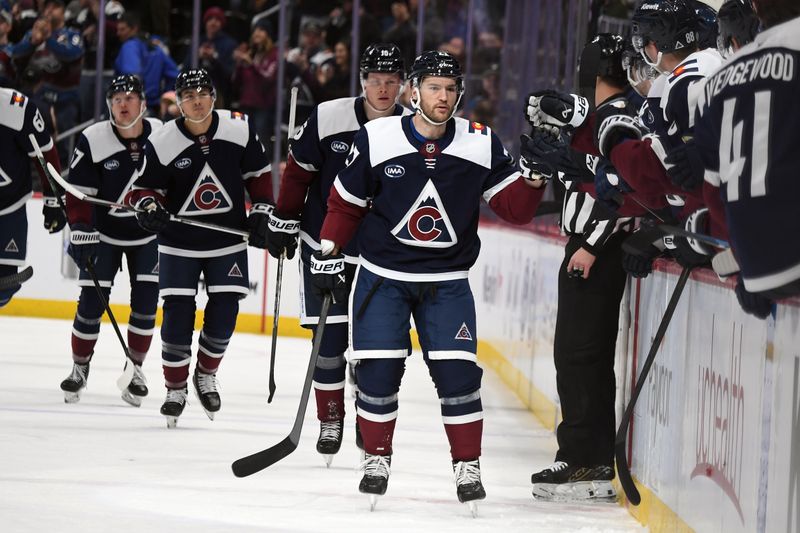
x=260 y=460
x=50 y=173
x=279 y=275
x=623 y=468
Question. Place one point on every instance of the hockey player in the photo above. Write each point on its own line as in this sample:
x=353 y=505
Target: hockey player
x=738 y=26
x=317 y=154
x=422 y=178
x=104 y=164
x=201 y=165
x=747 y=164
x=19 y=118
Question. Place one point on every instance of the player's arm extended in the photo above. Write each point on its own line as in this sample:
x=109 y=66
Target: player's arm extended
x=294 y=187
x=343 y=218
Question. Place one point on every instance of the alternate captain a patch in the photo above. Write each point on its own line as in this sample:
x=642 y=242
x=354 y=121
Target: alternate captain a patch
x=477 y=127
x=208 y=196
x=426 y=224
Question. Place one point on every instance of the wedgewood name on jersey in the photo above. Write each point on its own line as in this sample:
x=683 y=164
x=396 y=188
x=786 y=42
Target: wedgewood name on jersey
x=778 y=66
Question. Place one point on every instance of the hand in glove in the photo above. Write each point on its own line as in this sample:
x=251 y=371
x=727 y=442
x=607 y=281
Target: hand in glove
x=685 y=166
x=328 y=276
x=282 y=235
x=151 y=215
x=543 y=155
x=257 y=222
x=608 y=186
x=83 y=241
x=752 y=303
x=552 y=110
x=54 y=219
x=691 y=252
x=614 y=123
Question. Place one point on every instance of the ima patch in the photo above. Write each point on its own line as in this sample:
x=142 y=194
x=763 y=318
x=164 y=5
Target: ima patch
x=207 y=196
x=463 y=333
x=235 y=272
x=477 y=127
x=122 y=213
x=426 y=224
x=12 y=247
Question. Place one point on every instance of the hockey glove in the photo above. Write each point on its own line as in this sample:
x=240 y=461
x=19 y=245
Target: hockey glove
x=691 y=252
x=615 y=123
x=151 y=215
x=685 y=166
x=552 y=110
x=54 y=219
x=639 y=251
x=545 y=155
x=257 y=222
x=752 y=303
x=608 y=186
x=83 y=241
x=282 y=235
x=328 y=276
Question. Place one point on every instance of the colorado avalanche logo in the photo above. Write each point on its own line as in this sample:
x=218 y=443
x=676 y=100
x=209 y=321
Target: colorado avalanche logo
x=122 y=213
x=208 y=196
x=426 y=224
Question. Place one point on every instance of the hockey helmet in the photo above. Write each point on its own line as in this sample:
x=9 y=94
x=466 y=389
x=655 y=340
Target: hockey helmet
x=737 y=20
x=384 y=58
x=439 y=64
x=602 y=56
x=669 y=24
x=193 y=78
x=126 y=83
x=707 y=25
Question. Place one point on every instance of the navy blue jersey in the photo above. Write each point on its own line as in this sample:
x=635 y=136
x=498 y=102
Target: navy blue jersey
x=204 y=177
x=19 y=117
x=104 y=165
x=746 y=137
x=321 y=146
x=425 y=195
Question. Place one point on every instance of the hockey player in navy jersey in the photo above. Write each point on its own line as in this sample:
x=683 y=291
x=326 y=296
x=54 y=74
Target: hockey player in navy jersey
x=738 y=26
x=104 y=164
x=201 y=165
x=414 y=185
x=317 y=154
x=19 y=118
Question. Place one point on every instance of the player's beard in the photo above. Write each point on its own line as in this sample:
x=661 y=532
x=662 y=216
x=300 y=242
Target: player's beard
x=435 y=114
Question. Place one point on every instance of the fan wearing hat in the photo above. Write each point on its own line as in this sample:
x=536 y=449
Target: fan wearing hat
x=215 y=54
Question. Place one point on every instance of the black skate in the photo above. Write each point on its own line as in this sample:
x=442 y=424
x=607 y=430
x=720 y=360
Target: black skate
x=563 y=482
x=468 y=483
x=73 y=386
x=376 y=477
x=173 y=405
x=206 y=389
x=330 y=439
x=137 y=389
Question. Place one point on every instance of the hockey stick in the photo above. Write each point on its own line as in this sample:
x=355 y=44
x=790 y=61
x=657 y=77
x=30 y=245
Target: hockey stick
x=279 y=275
x=82 y=196
x=50 y=173
x=623 y=468
x=708 y=239
x=12 y=280
x=260 y=460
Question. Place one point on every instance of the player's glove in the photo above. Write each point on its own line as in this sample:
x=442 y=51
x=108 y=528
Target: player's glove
x=83 y=241
x=552 y=110
x=685 y=166
x=690 y=252
x=753 y=303
x=614 y=123
x=640 y=250
x=54 y=219
x=151 y=215
x=328 y=276
x=543 y=155
x=608 y=186
x=257 y=222
x=282 y=234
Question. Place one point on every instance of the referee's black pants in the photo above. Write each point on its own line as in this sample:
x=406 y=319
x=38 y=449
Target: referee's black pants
x=585 y=340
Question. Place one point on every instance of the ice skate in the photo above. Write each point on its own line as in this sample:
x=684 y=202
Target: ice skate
x=330 y=439
x=74 y=384
x=469 y=488
x=563 y=482
x=173 y=405
x=206 y=389
x=137 y=389
x=376 y=477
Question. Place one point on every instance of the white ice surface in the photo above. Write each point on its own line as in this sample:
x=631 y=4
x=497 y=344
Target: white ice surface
x=101 y=465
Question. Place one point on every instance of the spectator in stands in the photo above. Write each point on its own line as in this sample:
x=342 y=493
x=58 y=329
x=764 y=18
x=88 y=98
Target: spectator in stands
x=255 y=78
x=24 y=14
x=215 y=54
x=403 y=32
x=146 y=58
x=484 y=106
x=335 y=78
x=85 y=21
x=169 y=106
x=340 y=26
x=7 y=73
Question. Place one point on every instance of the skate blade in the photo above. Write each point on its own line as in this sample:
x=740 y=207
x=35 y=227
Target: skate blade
x=373 y=501
x=172 y=421
x=131 y=399
x=210 y=414
x=72 y=397
x=328 y=457
x=473 y=508
x=582 y=491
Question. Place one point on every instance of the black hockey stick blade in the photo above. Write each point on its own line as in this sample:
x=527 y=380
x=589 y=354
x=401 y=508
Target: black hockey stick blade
x=258 y=461
x=623 y=468
x=7 y=282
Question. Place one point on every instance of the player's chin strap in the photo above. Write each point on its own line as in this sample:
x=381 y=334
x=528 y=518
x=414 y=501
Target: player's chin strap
x=133 y=122
x=418 y=108
x=197 y=121
x=657 y=64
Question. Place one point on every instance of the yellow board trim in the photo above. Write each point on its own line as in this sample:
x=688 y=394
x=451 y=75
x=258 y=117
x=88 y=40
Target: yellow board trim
x=651 y=512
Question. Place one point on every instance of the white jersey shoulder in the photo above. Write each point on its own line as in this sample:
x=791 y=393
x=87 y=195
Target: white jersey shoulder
x=387 y=139
x=232 y=127
x=168 y=142
x=698 y=66
x=472 y=142
x=103 y=143
x=12 y=109
x=154 y=124
x=336 y=116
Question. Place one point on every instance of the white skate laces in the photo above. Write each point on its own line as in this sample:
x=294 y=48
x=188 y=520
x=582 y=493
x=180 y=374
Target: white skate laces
x=558 y=466
x=138 y=376
x=376 y=466
x=207 y=383
x=176 y=396
x=330 y=430
x=467 y=472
